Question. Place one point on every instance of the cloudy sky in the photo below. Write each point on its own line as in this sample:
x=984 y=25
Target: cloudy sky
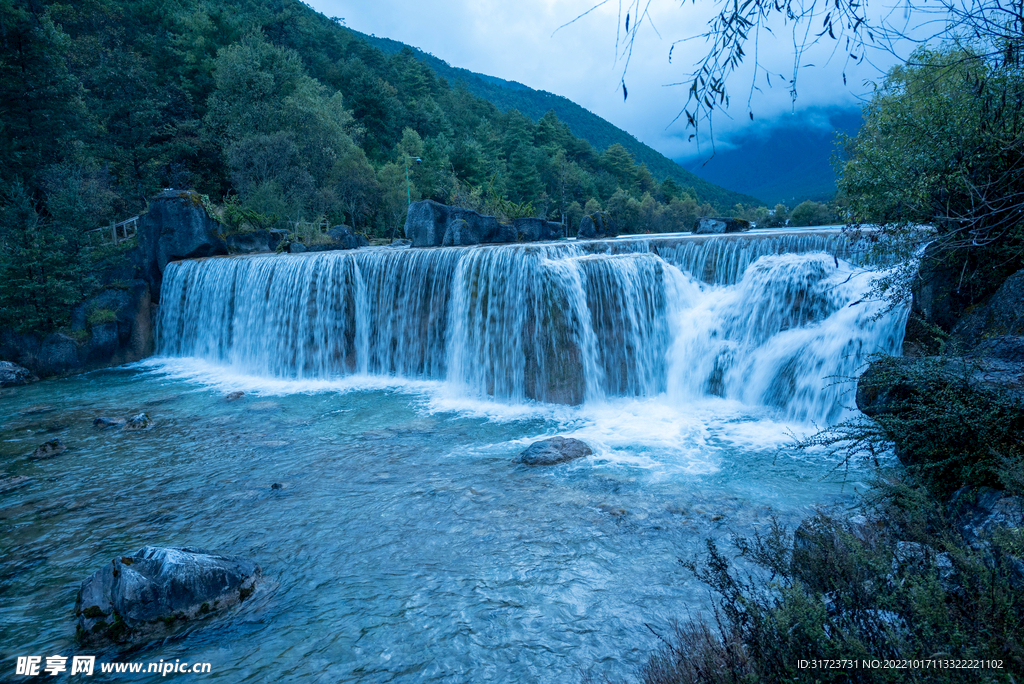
x=521 y=41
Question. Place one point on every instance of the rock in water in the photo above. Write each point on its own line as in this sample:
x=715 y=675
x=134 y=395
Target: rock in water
x=54 y=447
x=11 y=375
x=139 y=422
x=553 y=451
x=103 y=422
x=234 y=396
x=135 y=598
x=8 y=483
x=711 y=226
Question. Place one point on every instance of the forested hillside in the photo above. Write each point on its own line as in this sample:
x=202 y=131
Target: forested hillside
x=280 y=116
x=584 y=124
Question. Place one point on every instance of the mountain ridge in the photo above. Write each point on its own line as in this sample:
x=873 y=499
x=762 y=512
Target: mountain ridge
x=582 y=122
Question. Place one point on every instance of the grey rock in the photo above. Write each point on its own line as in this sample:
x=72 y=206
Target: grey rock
x=150 y=594
x=296 y=248
x=890 y=382
x=999 y=322
x=252 y=242
x=400 y=243
x=595 y=226
x=346 y=238
x=431 y=224
x=553 y=451
x=138 y=422
x=49 y=449
x=1006 y=348
x=536 y=229
x=917 y=558
x=821 y=537
x=716 y=225
x=426 y=223
x=234 y=396
x=58 y=354
x=103 y=341
x=176 y=227
x=13 y=375
x=981 y=512
x=104 y=423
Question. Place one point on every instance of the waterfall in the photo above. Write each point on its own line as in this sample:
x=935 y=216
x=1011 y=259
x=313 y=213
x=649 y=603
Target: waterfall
x=766 y=320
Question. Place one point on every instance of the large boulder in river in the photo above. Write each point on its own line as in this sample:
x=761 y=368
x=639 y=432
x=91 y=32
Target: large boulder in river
x=595 y=226
x=11 y=375
x=708 y=225
x=431 y=224
x=176 y=227
x=553 y=451
x=150 y=594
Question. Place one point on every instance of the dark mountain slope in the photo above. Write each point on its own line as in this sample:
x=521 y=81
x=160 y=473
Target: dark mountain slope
x=506 y=95
x=785 y=164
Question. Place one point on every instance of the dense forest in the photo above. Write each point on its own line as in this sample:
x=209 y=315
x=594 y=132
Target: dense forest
x=281 y=117
x=289 y=116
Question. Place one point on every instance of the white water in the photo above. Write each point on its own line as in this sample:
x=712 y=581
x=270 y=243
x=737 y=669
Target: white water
x=768 y=322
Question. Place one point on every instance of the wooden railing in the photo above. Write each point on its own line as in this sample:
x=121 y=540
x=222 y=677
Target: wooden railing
x=119 y=232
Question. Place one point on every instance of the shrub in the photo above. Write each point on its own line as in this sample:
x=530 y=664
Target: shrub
x=101 y=316
x=840 y=596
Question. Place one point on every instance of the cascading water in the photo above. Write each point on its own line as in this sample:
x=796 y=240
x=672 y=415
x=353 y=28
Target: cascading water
x=763 y=320
x=366 y=457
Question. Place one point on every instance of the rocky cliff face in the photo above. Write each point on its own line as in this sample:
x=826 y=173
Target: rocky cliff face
x=115 y=326
x=961 y=379
x=175 y=227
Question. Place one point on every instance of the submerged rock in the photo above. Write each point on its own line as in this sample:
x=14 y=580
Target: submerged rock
x=139 y=422
x=49 y=449
x=8 y=483
x=12 y=375
x=104 y=422
x=135 y=598
x=234 y=396
x=553 y=451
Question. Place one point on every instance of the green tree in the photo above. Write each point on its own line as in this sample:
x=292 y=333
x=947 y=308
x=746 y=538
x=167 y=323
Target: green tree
x=810 y=213
x=943 y=144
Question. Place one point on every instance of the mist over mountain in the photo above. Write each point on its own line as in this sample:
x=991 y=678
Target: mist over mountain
x=786 y=161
